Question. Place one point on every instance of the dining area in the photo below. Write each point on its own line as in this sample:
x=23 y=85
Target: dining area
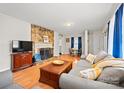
x=75 y=51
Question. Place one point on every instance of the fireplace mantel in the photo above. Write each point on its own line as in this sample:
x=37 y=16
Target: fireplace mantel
x=43 y=45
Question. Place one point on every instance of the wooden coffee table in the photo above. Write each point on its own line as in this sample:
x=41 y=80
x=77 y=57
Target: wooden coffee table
x=50 y=73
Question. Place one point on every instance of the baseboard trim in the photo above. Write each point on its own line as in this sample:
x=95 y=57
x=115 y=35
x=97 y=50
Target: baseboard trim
x=4 y=69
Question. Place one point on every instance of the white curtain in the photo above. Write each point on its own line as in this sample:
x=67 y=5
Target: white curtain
x=123 y=33
x=76 y=42
x=111 y=33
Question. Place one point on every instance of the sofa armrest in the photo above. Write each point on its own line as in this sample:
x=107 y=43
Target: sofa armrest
x=68 y=81
x=6 y=81
x=5 y=78
x=13 y=86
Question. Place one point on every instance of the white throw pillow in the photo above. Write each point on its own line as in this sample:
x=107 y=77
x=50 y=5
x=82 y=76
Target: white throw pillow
x=91 y=58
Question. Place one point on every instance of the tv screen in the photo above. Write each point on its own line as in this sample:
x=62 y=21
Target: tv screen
x=21 y=46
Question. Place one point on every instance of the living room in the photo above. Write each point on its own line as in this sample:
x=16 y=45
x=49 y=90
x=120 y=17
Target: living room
x=45 y=47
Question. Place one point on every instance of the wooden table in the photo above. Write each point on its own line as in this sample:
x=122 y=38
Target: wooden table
x=50 y=73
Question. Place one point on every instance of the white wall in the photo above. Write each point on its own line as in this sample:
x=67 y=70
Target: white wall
x=105 y=33
x=56 y=43
x=59 y=43
x=96 y=42
x=63 y=44
x=86 y=43
x=90 y=42
x=68 y=45
x=11 y=29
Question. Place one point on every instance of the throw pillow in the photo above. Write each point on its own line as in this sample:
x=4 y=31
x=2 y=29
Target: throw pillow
x=92 y=73
x=112 y=75
x=104 y=59
x=101 y=55
x=108 y=57
x=90 y=58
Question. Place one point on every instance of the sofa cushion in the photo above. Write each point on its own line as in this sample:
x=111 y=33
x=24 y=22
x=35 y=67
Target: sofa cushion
x=5 y=78
x=76 y=71
x=112 y=75
x=91 y=73
x=68 y=81
x=83 y=63
x=101 y=55
x=108 y=57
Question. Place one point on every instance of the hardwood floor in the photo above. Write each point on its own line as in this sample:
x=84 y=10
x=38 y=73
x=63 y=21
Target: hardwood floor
x=29 y=77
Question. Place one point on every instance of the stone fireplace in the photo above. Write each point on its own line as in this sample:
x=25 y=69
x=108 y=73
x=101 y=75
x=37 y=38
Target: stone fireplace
x=45 y=50
x=43 y=39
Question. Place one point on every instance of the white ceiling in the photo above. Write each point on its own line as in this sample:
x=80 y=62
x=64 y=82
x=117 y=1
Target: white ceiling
x=54 y=16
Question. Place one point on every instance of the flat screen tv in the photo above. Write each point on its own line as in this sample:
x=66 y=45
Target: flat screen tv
x=21 y=46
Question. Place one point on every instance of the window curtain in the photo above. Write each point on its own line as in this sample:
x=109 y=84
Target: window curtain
x=108 y=36
x=116 y=34
x=76 y=42
x=79 y=43
x=72 y=42
x=117 y=39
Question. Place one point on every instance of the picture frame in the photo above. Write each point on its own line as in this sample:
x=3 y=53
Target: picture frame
x=67 y=40
x=45 y=39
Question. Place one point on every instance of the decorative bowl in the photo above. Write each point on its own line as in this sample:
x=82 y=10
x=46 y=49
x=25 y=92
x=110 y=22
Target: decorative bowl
x=58 y=62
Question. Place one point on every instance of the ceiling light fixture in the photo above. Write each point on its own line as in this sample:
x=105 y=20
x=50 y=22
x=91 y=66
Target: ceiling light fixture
x=68 y=24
